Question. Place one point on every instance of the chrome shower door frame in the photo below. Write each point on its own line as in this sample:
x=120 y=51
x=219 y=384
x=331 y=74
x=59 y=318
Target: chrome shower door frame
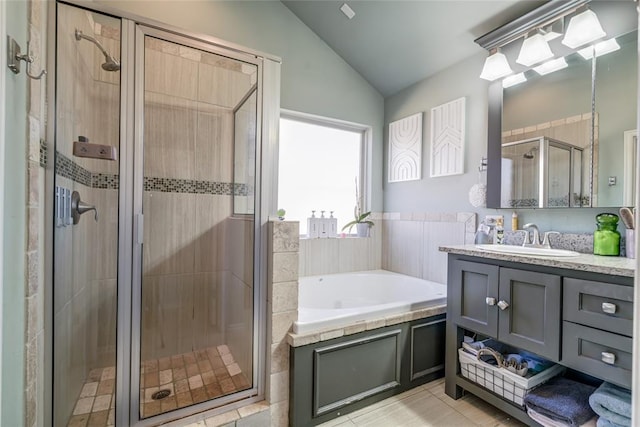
x=256 y=392
x=130 y=226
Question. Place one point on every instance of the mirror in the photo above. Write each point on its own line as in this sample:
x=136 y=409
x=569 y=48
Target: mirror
x=545 y=134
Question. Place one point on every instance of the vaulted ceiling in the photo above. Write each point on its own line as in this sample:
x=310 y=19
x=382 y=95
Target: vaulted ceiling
x=394 y=44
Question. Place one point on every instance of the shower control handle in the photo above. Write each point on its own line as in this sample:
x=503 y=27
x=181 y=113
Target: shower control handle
x=503 y=304
x=78 y=207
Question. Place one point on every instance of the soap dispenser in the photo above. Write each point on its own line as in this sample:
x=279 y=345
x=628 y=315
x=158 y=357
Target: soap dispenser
x=312 y=226
x=323 y=226
x=333 y=226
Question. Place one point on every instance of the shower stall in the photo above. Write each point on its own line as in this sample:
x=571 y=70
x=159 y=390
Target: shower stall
x=158 y=287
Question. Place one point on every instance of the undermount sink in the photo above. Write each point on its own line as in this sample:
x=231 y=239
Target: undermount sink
x=526 y=250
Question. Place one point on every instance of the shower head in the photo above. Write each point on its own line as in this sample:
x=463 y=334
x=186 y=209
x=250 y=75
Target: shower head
x=110 y=63
x=530 y=154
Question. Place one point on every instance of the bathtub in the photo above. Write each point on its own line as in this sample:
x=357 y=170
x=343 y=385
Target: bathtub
x=336 y=300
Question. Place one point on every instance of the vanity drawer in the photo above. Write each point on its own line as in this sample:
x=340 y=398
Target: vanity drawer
x=599 y=353
x=602 y=305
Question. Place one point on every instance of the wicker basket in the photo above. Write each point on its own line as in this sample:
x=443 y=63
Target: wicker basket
x=500 y=381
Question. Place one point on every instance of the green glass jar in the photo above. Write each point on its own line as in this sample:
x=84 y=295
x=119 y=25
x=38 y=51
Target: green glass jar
x=606 y=239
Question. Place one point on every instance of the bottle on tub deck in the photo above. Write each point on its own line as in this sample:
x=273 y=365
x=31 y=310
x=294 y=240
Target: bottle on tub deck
x=333 y=226
x=323 y=226
x=312 y=226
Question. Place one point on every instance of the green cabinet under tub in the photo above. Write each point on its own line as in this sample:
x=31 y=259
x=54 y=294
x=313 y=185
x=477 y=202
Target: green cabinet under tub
x=331 y=378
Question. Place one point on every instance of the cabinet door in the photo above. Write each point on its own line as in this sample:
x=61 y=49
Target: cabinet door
x=529 y=315
x=470 y=284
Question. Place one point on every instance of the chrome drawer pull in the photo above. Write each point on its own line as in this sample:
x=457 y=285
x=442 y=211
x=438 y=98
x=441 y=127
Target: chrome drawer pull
x=608 y=358
x=609 y=307
x=490 y=301
x=503 y=304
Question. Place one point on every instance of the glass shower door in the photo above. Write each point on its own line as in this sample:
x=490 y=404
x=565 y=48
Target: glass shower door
x=197 y=260
x=85 y=257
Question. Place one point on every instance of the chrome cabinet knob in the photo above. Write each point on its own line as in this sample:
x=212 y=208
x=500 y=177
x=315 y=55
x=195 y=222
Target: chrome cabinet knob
x=490 y=301
x=609 y=307
x=503 y=304
x=608 y=358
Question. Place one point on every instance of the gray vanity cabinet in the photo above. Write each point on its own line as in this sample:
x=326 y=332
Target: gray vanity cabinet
x=532 y=319
x=597 y=329
x=582 y=320
x=470 y=286
x=517 y=307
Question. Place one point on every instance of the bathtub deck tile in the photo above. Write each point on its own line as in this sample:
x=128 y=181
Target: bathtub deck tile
x=398 y=318
x=296 y=340
x=355 y=328
x=328 y=335
x=428 y=312
x=375 y=324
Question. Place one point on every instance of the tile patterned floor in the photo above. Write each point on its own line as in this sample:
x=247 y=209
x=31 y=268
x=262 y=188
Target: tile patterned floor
x=427 y=406
x=190 y=378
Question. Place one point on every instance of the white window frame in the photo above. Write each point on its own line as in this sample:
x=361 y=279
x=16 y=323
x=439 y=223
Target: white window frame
x=364 y=178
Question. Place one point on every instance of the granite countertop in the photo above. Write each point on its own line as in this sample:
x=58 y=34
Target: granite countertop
x=617 y=266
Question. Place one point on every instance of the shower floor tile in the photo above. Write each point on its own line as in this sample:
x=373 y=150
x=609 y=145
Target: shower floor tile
x=189 y=378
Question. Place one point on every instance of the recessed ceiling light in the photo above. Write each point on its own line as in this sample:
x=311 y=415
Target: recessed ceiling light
x=348 y=12
x=601 y=48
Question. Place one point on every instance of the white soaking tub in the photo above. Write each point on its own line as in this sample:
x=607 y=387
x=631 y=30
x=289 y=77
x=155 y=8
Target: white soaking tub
x=338 y=300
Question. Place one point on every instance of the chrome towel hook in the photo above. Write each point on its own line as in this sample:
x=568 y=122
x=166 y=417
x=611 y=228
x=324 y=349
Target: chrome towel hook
x=14 y=56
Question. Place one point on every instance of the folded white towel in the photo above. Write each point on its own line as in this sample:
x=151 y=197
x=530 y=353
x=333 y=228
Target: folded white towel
x=548 y=422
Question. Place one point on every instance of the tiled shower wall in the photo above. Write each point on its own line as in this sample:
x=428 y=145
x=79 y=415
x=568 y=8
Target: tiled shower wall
x=198 y=257
x=85 y=254
x=34 y=292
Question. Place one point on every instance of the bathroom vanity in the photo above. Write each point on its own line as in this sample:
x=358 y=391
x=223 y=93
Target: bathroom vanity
x=577 y=312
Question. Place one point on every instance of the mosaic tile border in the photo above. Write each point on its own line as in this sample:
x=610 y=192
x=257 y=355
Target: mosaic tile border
x=105 y=181
x=43 y=153
x=67 y=168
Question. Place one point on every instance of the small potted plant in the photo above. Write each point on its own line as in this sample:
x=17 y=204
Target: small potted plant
x=360 y=219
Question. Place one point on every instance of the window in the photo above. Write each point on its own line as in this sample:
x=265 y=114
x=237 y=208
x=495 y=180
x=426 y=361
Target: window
x=319 y=163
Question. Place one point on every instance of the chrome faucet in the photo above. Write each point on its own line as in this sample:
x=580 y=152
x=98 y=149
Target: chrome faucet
x=535 y=241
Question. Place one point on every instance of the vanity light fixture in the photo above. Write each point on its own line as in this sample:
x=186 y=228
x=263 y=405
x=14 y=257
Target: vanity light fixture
x=495 y=67
x=553 y=30
x=601 y=48
x=582 y=29
x=513 y=80
x=551 y=66
x=534 y=49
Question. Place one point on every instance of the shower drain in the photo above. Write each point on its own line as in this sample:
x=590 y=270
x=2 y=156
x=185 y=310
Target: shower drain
x=160 y=394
